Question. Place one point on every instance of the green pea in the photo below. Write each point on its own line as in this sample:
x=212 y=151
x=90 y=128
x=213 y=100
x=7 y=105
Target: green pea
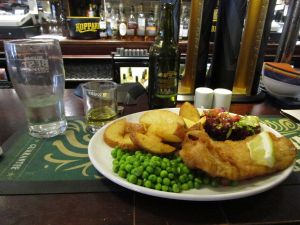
x=116 y=168
x=178 y=159
x=122 y=166
x=164 y=188
x=119 y=154
x=157 y=171
x=137 y=171
x=183 y=178
x=198 y=180
x=148 y=184
x=197 y=185
x=149 y=169
x=122 y=173
x=139 y=182
x=164 y=165
x=128 y=167
x=191 y=184
x=152 y=178
x=190 y=176
x=170 y=169
x=158 y=186
x=114 y=153
x=166 y=181
x=159 y=180
x=130 y=159
x=145 y=175
x=171 y=176
x=184 y=186
x=175 y=188
x=115 y=162
x=163 y=173
x=132 y=179
x=136 y=163
x=138 y=153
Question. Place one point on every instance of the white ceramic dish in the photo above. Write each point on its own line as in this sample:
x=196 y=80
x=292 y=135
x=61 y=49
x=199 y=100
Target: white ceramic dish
x=281 y=89
x=100 y=156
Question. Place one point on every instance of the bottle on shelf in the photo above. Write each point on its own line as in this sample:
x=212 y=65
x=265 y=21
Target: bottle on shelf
x=184 y=24
x=130 y=77
x=164 y=58
x=102 y=24
x=90 y=12
x=144 y=79
x=156 y=17
x=122 y=25
x=141 y=23
x=150 y=27
x=108 y=13
x=124 y=79
x=114 y=23
x=131 y=25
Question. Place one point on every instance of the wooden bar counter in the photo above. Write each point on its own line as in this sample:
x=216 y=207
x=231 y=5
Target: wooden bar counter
x=280 y=205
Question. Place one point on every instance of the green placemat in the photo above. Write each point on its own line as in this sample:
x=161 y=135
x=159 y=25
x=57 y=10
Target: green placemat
x=61 y=164
x=55 y=165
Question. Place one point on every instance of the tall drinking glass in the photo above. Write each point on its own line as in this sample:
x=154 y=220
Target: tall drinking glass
x=37 y=73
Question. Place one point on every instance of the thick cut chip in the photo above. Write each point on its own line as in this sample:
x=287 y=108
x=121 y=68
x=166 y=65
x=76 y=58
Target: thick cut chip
x=115 y=135
x=135 y=127
x=161 y=117
x=190 y=112
x=165 y=124
x=151 y=144
x=168 y=132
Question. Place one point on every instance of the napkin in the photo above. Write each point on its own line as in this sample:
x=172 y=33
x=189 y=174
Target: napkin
x=294 y=114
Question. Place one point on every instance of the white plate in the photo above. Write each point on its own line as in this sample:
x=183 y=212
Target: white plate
x=100 y=156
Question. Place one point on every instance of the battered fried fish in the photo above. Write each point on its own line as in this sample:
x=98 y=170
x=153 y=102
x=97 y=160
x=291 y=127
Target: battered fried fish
x=231 y=159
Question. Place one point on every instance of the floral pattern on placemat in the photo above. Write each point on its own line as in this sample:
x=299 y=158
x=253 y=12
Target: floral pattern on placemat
x=71 y=151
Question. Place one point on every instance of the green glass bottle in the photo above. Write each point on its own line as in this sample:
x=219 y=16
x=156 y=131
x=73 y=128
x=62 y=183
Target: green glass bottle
x=164 y=59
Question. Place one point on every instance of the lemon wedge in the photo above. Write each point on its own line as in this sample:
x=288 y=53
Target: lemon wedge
x=262 y=150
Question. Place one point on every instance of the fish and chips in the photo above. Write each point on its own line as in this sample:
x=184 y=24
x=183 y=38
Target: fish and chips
x=164 y=132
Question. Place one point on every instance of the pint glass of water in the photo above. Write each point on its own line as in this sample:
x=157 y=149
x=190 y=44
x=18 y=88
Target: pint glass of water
x=37 y=73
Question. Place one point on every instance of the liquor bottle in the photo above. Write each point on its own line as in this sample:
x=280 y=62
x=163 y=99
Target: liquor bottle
x=141 y=23
x=124 y=79
x=130 y=77
x=114 y=24
x=150 y=27
x=184 y=24
x=90 y=12
x=156 y=17
x=131 y=25
x=102 y=24
x=122 y=25
x=108 y=19
x=164 y=59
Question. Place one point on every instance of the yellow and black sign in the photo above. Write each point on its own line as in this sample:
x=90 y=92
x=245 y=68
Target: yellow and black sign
x=84 y=27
